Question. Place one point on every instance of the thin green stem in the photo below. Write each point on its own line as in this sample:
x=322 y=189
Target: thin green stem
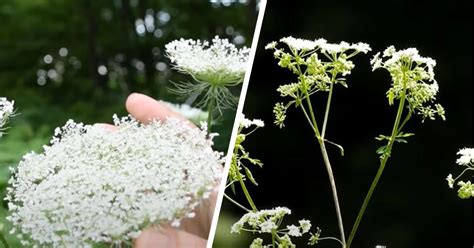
x=328 y=106
x=4 y=241
x=236 y=203
x=383 y=162
x=273 y=239
x=210 y=109
x=334 y=191
x=331 y=238
x=246 y=192
x=328 y=169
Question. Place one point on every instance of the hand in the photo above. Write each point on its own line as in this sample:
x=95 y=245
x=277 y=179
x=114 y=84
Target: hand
x=192 y=232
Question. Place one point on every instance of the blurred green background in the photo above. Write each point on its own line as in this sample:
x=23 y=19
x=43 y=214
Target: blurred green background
x=79 y=60
x=412 y=206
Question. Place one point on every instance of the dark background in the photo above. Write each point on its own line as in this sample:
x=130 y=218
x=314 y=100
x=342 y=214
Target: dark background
x=412 y=205
x=49 y=89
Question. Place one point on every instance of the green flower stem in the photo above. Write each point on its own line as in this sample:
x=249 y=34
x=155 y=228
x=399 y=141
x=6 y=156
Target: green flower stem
x=383 y=162
x=328 y=168
x=328 y=106
x=4 y=241
x=273 y=239
x=244 y=188
x=236 y=203
x=210 y=109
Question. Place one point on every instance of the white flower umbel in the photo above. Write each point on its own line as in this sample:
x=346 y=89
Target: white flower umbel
x=6 y=111
x=214 y=66
x=95 y=185
x=269 y=221
x=466 y=160
x=412 y=78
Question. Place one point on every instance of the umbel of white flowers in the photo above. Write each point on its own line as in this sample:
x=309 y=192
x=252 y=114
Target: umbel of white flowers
x=411 y=77
x=95 y=185
x=213 y=66
x=6 y=111
x=466 y=160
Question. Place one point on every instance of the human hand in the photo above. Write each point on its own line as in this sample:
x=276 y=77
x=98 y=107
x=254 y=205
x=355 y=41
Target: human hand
x=192 y=232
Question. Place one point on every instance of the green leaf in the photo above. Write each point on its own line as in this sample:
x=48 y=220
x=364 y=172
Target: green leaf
x=250 y=176
x=381 y=150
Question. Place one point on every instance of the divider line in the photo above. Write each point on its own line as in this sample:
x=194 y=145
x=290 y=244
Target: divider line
x=240 y=106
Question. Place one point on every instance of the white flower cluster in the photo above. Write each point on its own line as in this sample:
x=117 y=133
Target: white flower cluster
x=196 y=115
x=466 y=159
x=330 y=48
x=268 y=221
x=246 y=123
x=95 y=185
x=410 y=74
x=213 y=62
x=6 y=111
x=263 y=221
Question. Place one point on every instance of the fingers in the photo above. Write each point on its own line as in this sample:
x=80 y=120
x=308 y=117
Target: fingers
x=201 y=223
x=145 y=109
x=168 y=238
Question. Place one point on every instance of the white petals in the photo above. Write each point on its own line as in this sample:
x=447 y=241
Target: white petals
x=6 y=110
x=246 y=123
x=201 y=57
x=466 y=156
x=94 y=185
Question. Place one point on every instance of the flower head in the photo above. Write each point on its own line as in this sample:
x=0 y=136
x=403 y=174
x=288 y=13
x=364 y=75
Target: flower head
x=466 y=156
x=6 y=111
x=466 y=188
x=214 y=66
x=413 y=78
x=94 y=185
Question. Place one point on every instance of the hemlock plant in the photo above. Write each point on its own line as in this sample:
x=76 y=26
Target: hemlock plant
x=318 y=67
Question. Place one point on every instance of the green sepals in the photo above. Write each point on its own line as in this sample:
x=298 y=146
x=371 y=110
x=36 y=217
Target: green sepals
x=391 y=97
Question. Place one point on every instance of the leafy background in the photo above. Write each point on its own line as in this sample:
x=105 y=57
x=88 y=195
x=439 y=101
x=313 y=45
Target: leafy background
x=53 y=54
x=412 y=205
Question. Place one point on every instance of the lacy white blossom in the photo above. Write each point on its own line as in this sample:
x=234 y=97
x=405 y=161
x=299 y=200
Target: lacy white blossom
x=410 y=76
x=466 y=160
x=298 y=44
x=198 y=57
x=269 y=221
x=6 y=111
x=213 y=66
x=196 y=115
x=466 y=156
x=246 y=123
x=95 y=185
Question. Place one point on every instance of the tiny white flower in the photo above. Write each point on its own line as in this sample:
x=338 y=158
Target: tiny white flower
x=450 y=180
x=466 y=156
x=300 y=44
x=305 y=225
x=294 y=231
x=267 y=226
